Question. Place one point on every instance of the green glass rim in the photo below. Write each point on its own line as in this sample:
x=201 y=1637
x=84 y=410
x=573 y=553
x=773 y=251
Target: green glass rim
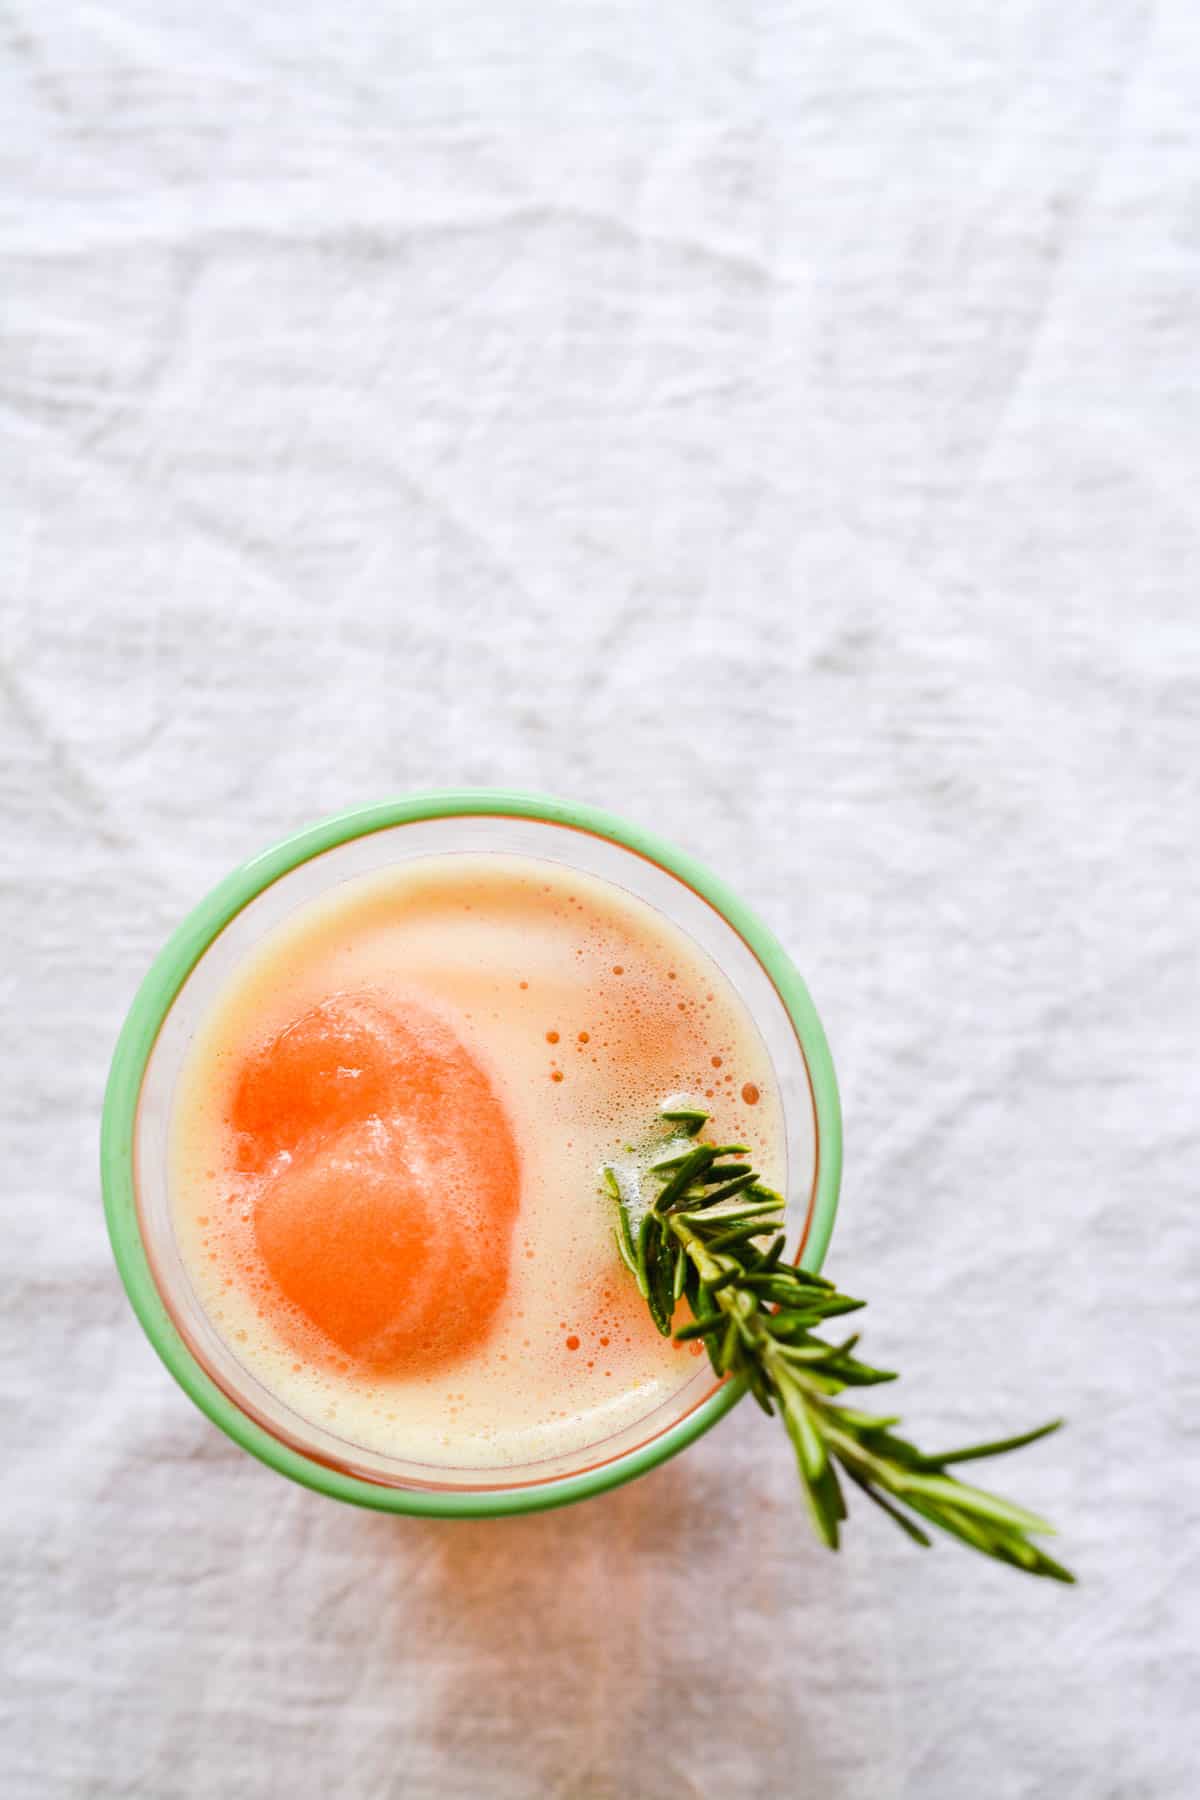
x=154 y=1000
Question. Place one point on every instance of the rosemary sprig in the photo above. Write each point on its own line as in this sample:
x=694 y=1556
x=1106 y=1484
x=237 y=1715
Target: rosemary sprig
x=701 y=1239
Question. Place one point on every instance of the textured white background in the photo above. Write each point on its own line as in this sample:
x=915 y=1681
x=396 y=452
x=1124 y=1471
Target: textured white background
x=780 y=423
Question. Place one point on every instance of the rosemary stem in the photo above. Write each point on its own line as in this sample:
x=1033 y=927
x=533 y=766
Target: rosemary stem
x=755 y=1314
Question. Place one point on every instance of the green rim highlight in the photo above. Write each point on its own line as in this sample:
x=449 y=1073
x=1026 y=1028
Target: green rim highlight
x=153 y=1002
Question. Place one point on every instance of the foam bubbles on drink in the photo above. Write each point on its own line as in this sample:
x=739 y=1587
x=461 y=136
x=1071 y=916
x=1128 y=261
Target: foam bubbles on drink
x=587 y=1010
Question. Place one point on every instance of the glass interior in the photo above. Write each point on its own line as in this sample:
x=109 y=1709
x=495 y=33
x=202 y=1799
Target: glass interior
x=570 y=846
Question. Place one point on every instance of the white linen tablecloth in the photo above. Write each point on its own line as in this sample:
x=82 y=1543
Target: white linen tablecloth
x=780 y=423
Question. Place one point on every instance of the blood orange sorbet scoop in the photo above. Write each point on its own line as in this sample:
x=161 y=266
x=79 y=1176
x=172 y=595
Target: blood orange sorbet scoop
x=388 y=1181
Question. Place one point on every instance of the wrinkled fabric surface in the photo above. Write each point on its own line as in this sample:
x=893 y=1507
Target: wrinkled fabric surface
x=778 y=423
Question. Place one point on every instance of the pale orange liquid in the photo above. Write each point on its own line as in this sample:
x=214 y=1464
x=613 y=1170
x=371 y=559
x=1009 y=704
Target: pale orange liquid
x=387 y=1145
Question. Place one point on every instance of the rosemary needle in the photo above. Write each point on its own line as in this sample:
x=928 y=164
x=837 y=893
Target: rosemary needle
x=701 y=1240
